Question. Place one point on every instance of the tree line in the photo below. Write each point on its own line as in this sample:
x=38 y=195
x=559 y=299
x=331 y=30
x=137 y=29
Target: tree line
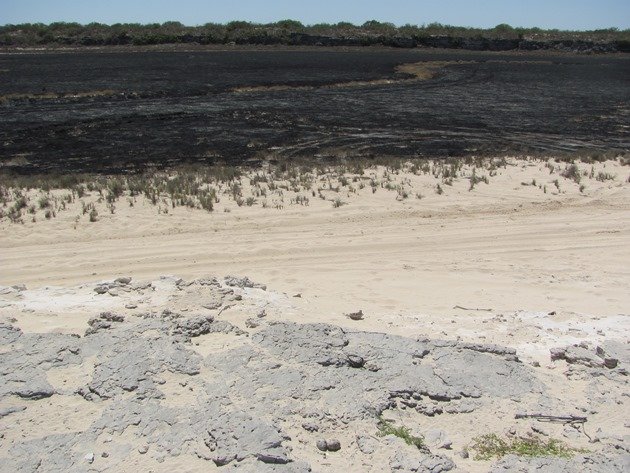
x=281 y=32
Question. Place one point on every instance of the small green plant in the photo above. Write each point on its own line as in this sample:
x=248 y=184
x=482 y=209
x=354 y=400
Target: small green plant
x=491 y=445
x=557 y=184
x=337 y=203
x=385 y=427
x=44 y=202
x=572 y=172
x=93 y=215
x=604 y=176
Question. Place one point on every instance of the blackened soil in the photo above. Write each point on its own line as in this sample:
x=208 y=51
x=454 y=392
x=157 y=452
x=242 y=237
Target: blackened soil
x=119 y=111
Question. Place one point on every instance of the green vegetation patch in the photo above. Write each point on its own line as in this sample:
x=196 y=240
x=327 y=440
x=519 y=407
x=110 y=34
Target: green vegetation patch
x=385 y=427
x=491 y=445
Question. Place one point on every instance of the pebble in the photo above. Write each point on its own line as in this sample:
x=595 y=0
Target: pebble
x=89 y=458
x=143 y=449
x=322 y=445
x=333 y=445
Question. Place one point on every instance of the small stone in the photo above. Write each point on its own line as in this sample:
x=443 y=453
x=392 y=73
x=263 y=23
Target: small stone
x=101 y=289
x=131 y=306
x=464 y=454
x=261 y=314
x=333 y=445
x=355 y=315
x=355 y=361
x=89 y=457
x=251 y=323
x=105 y=454
x=143 y=449
x=298 y=295
x=322 y=445
x=123 y=280
x=535 y=364
x=611 y=363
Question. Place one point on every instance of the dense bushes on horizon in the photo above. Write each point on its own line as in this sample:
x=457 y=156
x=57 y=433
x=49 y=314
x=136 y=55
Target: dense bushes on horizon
x=281 y=32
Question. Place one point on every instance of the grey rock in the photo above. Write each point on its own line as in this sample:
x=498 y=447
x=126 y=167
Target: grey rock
x=101 y=289
x=9 y=333
x=333 y=445
x=251 y=323
x=5 y=411
x=355 y=315
x=123 y=280
x=420 y=462
x=576 y=354
x=587 y=463
x=111 y=317
x=615 y=349
x=437 y=438
x=89 y=457
x=237 y=436
x=242 y=394
x=242 y=283
x=321 y=445
x=310 y=427
x=355 y=361
x=366 y=444
x=194 y=327
x=611 y=363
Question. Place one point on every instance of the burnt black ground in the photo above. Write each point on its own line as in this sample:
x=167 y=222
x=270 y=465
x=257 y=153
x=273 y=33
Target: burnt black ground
x=174 y=107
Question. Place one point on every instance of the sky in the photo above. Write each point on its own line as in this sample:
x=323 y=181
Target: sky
x=561 y=14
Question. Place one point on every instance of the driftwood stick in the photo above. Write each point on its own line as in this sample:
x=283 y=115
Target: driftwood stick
x=548 y=418
x=466 y=308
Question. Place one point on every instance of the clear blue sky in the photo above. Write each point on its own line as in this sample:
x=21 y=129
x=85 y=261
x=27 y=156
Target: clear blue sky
x=562 y=14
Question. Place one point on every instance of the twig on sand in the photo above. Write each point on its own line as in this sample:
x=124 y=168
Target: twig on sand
x=223 y=309
x=466 y=308
x=547 y=418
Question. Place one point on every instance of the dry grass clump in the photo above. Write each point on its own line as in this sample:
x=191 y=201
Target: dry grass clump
x=277 y=186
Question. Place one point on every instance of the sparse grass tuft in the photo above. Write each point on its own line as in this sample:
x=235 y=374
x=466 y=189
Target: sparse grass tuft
x=491 y=445
x=604 y=176
x=572 y=172
x=385 y=427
